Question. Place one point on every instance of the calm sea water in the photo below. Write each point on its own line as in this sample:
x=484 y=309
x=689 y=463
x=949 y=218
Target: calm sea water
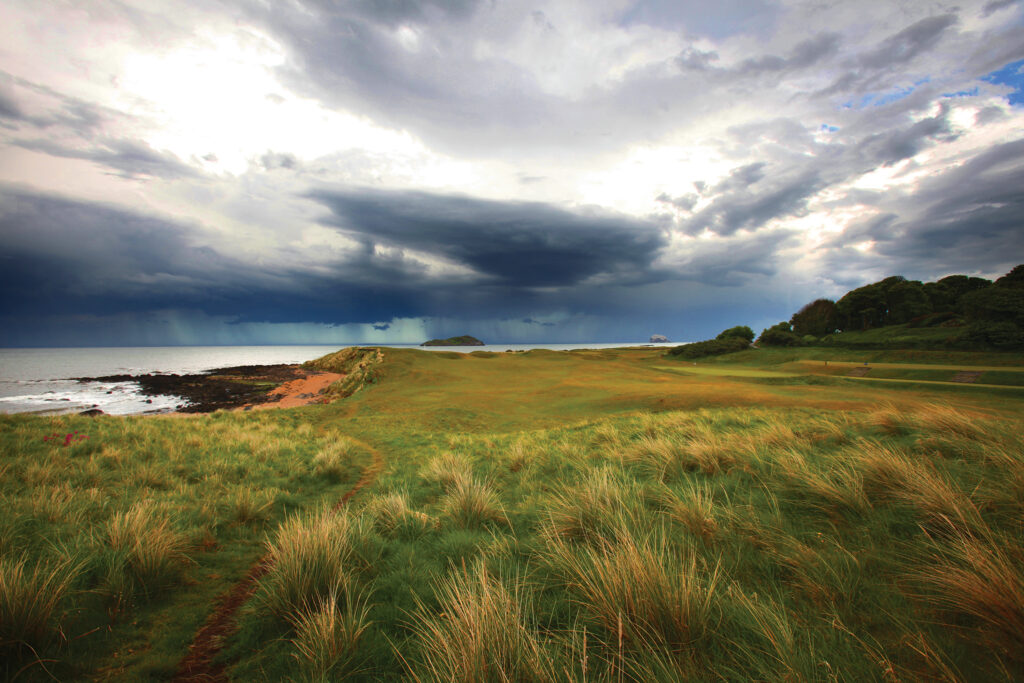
x=38 y=380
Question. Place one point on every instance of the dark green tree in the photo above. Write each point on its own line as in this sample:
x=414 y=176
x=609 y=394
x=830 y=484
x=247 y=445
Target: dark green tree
x=957 y=286
x=862 y=308
x=906 y=300
x=996 y=304
x=741 y=331
x=817 y=318
x=780 y=334
x=1014 y=279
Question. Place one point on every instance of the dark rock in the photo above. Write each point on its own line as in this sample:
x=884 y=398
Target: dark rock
x=92 y=412
x=223 y=388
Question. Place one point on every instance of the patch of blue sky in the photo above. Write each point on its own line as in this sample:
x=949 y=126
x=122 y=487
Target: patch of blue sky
x=962 y=93
x=828 y=128
x=878 y=99
x=1011 y=75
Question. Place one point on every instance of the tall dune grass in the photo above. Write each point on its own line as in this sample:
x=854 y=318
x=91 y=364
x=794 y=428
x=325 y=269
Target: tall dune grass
x=328 y=632
x=31 y=599
x=312 y=556
x=481 y=632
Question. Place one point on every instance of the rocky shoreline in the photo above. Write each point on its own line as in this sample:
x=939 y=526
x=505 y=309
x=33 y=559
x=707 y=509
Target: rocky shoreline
x=222 y=388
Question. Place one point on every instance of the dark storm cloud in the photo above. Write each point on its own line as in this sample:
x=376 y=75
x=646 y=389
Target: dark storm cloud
x=903 y=46
x=88 y=257
x=733 y=261
x=865 y=71
x=349 y=55
x=806 y=54
x=129 y=158
x=69 y=257
x=897 y=145
x=513 y=243
x=9 y=108
x=997 y=5
x=750 y=197
x=394 y=12
x=968 y=219
x=77 y=116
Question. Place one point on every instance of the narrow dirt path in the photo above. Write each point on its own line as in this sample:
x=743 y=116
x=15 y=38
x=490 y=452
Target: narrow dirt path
x=198 y=664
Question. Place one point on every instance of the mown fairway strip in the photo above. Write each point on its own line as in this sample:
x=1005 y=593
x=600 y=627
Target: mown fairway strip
x=911 y=366
x=199 y=664
x=929 y=381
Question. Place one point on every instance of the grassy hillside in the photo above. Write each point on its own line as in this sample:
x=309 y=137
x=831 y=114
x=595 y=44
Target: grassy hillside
x=896 y=337
x=586 y=515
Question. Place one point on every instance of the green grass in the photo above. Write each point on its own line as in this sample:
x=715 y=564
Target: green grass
x=594 y=515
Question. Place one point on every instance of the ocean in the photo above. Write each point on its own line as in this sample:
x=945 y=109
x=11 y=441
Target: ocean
x=39 y=380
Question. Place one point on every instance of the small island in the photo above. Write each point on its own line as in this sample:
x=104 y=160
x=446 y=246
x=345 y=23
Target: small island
x=464 y=340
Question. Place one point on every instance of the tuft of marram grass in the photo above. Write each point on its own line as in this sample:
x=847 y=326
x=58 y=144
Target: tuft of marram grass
x=471 y=504
x=327 y=633
x=593 y=510
x=480 y=633
x=154 y=549
x=668 y=457
x=893 y=475
x=890 y=419
x=249 y=505
x=447 y=469
x=839 y=489
x=946 y=420
x=30 y=600
x=693 y=506
x=312 y=556
x=640 y=591
x=334 y=460
x=975 y=573
x=393 y=516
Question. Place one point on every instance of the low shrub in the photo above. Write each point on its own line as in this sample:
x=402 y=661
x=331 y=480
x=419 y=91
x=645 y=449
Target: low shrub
x=711 y=347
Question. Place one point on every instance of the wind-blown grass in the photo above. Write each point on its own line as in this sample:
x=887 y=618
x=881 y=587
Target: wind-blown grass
x=480 y=633
x=544 y=516
x=31 y=596
x=312 y=557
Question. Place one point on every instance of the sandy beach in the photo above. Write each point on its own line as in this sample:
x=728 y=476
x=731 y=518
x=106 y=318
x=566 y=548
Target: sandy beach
x=299 y=392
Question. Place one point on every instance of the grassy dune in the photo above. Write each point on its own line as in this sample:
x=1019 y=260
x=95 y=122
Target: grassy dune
x=590 y=515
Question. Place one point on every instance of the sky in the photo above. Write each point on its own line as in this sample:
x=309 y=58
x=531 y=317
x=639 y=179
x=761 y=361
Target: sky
x=389 y=171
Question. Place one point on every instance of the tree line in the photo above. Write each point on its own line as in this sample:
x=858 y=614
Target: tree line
x=991 y=314
x=991 y=311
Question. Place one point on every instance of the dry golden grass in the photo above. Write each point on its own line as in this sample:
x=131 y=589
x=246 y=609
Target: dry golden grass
x=840 y=489
x=470 y=504
x=30 y=603
x=447 y=469
x=312 y=557
x=153 y=546
x=693 y=507
x=594 y=510
x=391 y=514
x=327 y=633
x=947 y=420
x=980 y=575
x=891 y=474
x=480 y=633
x=641 y=591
